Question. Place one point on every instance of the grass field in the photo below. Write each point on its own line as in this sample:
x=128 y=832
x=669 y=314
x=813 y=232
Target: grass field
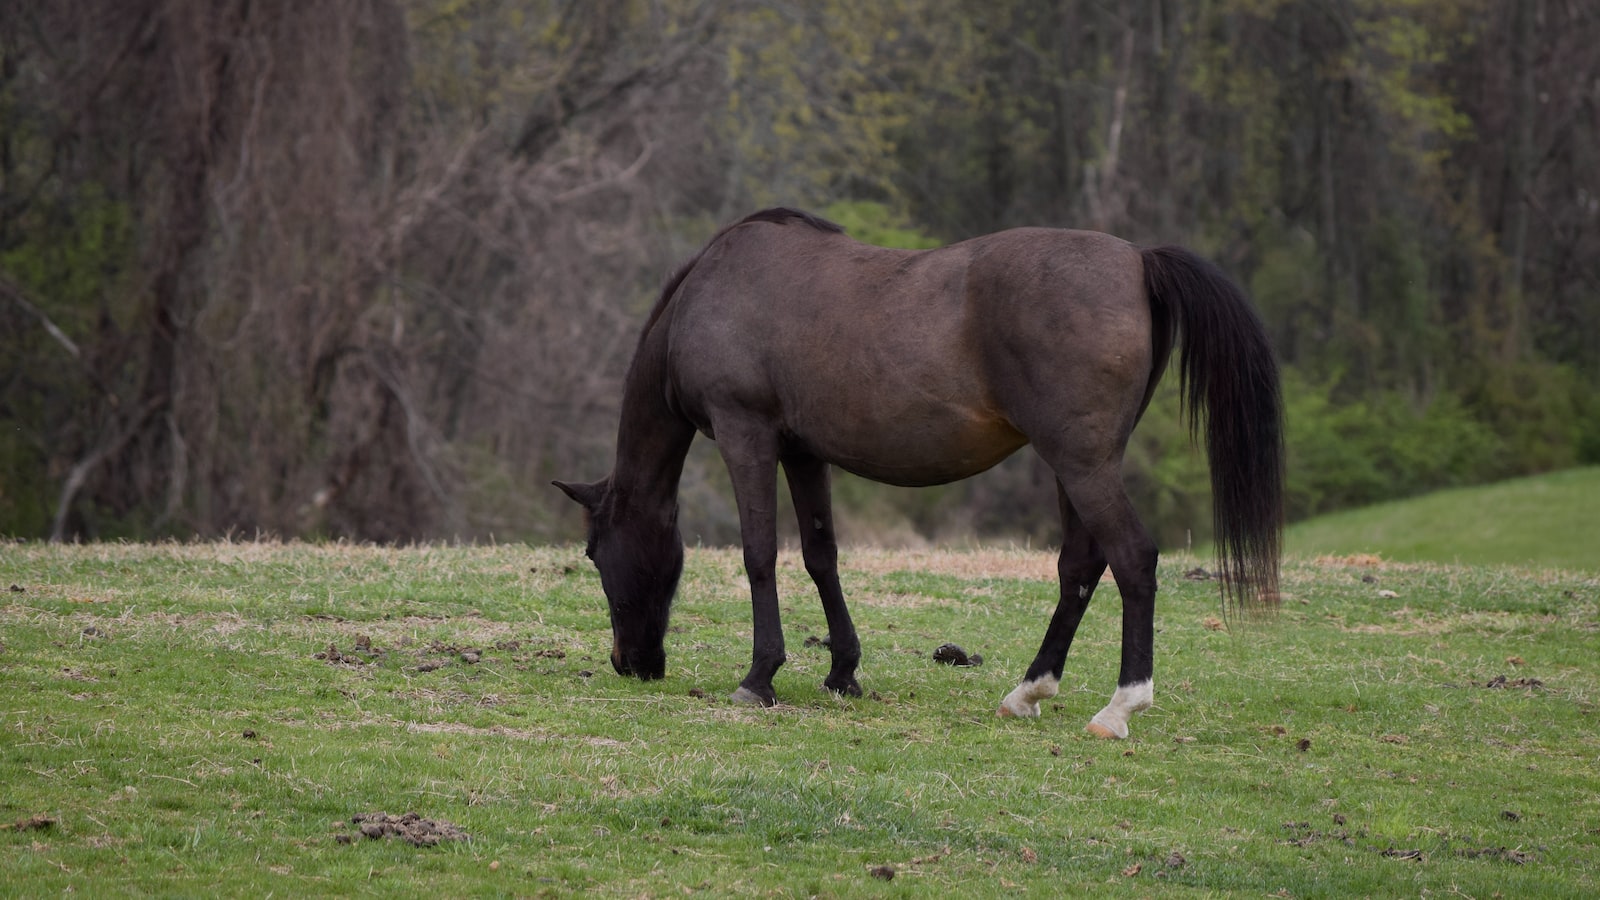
x=1544 y=520
x=208 y=719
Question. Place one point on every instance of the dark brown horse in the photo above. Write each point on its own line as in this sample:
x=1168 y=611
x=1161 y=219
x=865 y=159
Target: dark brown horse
x=786 y=341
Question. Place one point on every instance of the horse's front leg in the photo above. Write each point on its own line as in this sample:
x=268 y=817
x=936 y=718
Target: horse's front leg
x=751 y=454
x=808 y=485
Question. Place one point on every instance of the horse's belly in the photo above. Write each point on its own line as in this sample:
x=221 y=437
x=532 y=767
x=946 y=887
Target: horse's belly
x=915 y=450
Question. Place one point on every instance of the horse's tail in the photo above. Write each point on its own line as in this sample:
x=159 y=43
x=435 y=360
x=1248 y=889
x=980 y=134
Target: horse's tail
x=1229 y=387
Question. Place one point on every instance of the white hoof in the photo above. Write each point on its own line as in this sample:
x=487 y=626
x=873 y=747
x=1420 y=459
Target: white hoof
x=1023 y=701
x=1112 y=722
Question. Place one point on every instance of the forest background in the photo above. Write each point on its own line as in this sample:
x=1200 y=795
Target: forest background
x=374 y=269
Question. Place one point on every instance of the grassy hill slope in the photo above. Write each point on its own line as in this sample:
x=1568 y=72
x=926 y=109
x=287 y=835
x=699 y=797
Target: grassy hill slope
x=1546 y=520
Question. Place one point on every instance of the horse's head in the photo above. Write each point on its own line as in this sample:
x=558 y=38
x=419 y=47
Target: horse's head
x=640 y=556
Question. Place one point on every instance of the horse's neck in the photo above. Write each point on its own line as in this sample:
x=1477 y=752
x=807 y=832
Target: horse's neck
x=652 y=440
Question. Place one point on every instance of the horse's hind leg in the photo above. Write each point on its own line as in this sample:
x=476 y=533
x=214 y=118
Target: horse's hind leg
x=1110 y=517
x=1105 y=517
x=813 y=506
x=1080 y=566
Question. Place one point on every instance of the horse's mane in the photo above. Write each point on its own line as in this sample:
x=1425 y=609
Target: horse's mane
x=778 y=215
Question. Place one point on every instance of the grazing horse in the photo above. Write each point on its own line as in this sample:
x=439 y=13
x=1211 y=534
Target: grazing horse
x=786 y=341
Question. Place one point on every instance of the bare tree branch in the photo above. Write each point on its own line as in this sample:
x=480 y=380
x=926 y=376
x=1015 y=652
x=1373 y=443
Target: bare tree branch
x=14 y=292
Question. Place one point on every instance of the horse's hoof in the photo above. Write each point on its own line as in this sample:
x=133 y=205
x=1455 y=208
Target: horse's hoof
x=748 y=697
x=1112 y=722
x=1015 y=709
x=848 y=689
x=1104 y=731
x=1023 y=701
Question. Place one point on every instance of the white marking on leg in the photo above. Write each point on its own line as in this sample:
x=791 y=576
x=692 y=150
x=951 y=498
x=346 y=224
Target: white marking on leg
x=1023 y=701
x=1112 y=722
x=1083 y=592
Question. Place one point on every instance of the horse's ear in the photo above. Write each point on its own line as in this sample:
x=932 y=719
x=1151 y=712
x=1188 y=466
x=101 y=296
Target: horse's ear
x=586 y=495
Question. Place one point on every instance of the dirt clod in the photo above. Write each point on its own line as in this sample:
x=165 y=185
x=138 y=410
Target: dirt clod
x=884 y=872
x=1510 y=815
x=1175 y=860
x=1198 y=573
x=411 y=828
x=1517 y=857
x=1500 y=681
x=18 y=589
x=1303 y=744
x=698 y=693
x=357 y=656
x=31 y=823
x=952 y=655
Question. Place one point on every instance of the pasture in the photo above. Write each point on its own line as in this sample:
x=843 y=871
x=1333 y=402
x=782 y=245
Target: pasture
x=1547 y=519
x=210 y=718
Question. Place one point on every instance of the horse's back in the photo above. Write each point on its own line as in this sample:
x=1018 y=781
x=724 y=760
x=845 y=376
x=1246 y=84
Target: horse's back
x=911 y=367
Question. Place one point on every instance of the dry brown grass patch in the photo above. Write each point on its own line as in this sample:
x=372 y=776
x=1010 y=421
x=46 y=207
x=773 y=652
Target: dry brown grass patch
x=978 y=562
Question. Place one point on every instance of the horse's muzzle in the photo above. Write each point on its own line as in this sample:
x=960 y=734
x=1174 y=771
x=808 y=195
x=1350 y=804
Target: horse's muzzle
x=646 y=666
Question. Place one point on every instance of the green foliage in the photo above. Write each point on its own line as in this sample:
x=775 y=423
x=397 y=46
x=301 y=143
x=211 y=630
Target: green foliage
x=814 y=103
x=69 y=258
x=1361 y=451
x=874 y=223
x=1167 y=476
x=71 y=254
x=1535 y=408
x=170 y=730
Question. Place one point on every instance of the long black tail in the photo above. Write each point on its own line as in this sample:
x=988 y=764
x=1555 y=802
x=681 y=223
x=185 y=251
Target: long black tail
x=1229 y=384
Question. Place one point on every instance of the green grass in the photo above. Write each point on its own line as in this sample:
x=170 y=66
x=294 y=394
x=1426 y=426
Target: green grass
x=163 y=708
x=1544 y=520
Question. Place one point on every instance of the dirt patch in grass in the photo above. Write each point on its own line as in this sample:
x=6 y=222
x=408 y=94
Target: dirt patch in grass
x=30 y=823
x=411 y=828
x=463 y=728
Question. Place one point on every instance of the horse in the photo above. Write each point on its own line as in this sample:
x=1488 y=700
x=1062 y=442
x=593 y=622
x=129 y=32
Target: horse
x=788 y=342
